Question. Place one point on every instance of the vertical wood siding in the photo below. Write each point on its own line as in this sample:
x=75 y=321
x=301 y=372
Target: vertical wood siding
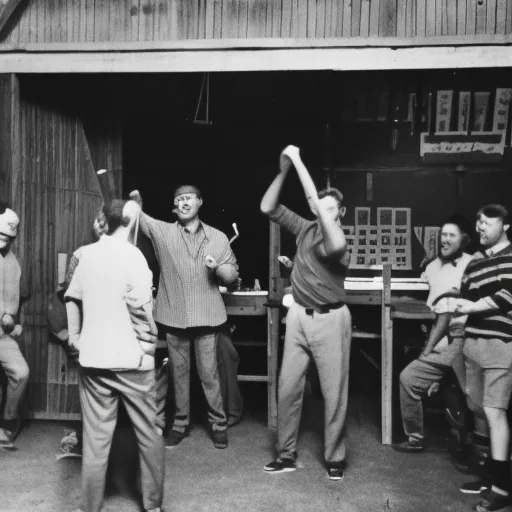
x=57 y=195
x=45 y=21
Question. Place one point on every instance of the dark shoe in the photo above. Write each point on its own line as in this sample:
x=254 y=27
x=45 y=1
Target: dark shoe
x=461 y=460
x=493 y=501
x=335 y=471
x=412 y=446
x=220 y=438
x=280 y=466
x=13 y=426
x=175 y=438
x=475 y=487
x=236 y=418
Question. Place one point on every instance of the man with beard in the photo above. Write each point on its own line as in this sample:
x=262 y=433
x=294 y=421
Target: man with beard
x=486 y=297
x=11 y=359
x=441 y=352
x=194 y=259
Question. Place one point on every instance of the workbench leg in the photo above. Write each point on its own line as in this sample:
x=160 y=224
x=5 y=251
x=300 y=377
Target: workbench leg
x=272 y=353
x=387 y=375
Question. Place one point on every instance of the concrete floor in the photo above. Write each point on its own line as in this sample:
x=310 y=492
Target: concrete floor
x=202 y=478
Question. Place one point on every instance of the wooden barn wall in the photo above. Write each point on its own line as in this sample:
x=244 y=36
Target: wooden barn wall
x=104 y=138
x=57 y=196
x=66 y=21
x=9 y=133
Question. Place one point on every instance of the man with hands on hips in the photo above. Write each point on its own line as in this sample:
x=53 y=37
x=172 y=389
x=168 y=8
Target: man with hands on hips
x=194 y=259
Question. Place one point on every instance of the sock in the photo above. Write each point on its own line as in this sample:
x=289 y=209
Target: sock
x=500 y=475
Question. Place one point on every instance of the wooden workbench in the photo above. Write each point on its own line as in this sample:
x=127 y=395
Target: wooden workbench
x=379 y=291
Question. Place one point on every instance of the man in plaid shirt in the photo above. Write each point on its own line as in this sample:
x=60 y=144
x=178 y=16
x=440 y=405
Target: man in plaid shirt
x=194 y=259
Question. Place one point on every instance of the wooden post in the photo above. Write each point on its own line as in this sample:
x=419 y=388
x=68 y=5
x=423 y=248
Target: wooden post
x=7 y=7
x=10 y=153
x=275 y=292
x=386 y=356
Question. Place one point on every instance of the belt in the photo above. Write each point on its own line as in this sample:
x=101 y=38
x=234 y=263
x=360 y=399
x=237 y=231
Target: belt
x=324 y=308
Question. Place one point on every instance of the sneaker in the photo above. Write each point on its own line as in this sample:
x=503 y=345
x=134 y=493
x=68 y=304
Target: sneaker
x=220 y=438
x=493 y=501
x=412 y=446
x=280 y=466
x=13 y=426
x=6 y=441
x=335 y=471
x=475 y=487
x=175 y=438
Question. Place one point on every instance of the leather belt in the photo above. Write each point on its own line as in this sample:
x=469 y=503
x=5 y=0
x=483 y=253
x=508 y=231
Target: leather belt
x=324 y=308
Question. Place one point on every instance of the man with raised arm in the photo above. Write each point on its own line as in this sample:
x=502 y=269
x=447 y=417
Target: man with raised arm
x=318 y=323
x=194 y=259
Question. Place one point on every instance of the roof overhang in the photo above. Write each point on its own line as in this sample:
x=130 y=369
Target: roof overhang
x=258 y=55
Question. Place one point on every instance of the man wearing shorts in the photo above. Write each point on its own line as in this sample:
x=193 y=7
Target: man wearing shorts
x=486 y=293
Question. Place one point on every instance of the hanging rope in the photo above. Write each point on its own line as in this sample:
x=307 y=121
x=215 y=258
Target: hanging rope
x=206 y=80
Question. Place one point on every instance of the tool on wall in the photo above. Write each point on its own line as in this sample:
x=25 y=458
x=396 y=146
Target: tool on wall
x=237 y=234
x=206 y=82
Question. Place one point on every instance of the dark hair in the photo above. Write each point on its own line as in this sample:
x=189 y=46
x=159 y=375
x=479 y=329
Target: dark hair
x=461 y=222
x=3 y=207
x=113 y=211
x=187 y=189
x=463 y=225
x=333 y=192
x=495 y=211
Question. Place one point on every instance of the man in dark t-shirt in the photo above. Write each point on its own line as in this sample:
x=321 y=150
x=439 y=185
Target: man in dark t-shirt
x=318 y=324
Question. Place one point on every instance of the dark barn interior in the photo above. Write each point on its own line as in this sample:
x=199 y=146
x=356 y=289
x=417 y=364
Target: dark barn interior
x=331 y=116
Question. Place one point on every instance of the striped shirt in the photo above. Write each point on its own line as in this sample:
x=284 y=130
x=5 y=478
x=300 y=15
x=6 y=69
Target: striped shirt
x=188 y=291
x=490 y=278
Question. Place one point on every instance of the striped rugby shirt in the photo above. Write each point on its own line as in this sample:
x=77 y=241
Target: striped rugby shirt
x=490 y=277
x=188 y=291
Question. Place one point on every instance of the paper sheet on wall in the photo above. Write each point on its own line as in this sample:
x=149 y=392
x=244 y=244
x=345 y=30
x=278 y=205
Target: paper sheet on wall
x=386 y=241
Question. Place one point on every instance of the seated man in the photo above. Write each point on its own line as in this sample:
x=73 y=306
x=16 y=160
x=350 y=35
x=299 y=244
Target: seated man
x=441 y=352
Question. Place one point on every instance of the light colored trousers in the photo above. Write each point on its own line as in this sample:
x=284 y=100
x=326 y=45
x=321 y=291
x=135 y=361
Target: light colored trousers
x=419 y=375
x=326 y=338
x=100 y=392
x=17 y=371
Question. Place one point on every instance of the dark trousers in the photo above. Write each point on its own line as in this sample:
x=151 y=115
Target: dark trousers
x=100 y=392
x=205 y=344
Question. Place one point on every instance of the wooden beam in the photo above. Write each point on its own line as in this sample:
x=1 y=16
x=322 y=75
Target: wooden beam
x=260 y=44
x=6 y=9
x=338 y=59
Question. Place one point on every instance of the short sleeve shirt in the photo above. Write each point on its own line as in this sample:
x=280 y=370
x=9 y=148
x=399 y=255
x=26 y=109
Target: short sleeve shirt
x=109 y=272
x=316 y=280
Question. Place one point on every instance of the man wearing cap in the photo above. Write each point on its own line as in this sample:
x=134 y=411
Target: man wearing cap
x=441 y=352
x=194 y=259
x=318 y=324
x=11 y=359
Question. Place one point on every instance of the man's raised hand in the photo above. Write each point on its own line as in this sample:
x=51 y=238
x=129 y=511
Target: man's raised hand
x=135 y=196
x=292 y=152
